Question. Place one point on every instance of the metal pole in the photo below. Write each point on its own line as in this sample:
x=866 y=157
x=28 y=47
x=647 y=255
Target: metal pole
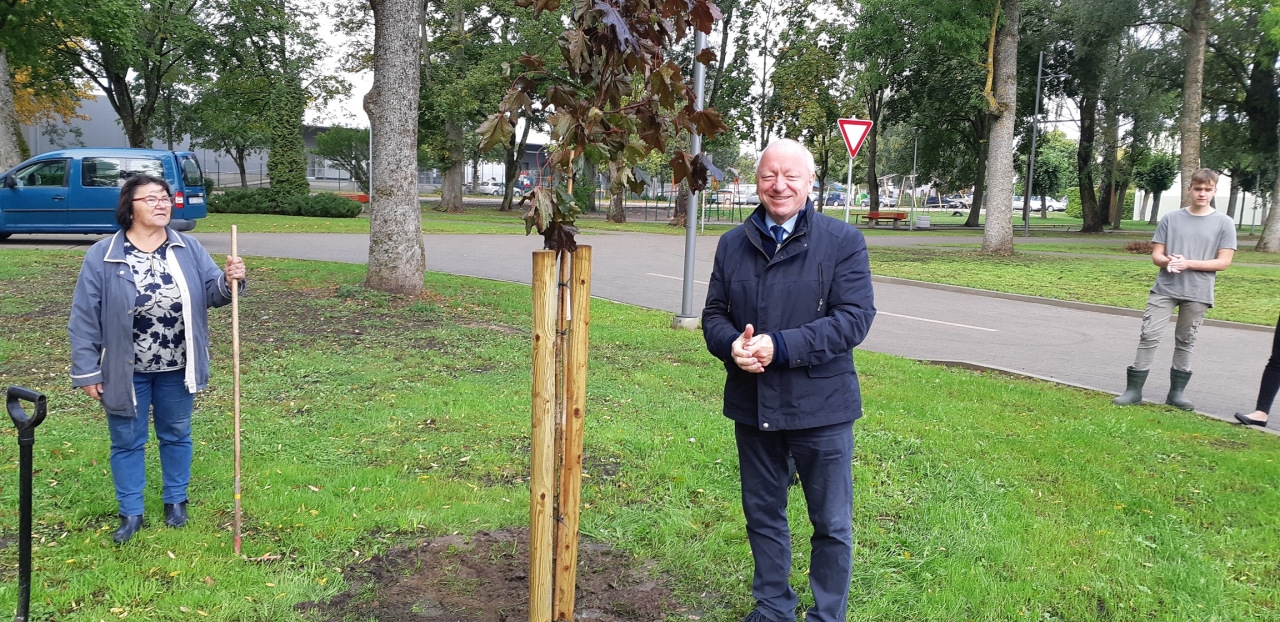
x=1031 y=156
x=687 y=319
x=848 y=189
x=915 y=153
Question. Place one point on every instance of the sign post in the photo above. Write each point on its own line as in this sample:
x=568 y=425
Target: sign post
x=854 y=132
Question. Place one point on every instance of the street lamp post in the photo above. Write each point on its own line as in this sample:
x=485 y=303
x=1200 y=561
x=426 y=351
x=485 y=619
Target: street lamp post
x=1031 y=155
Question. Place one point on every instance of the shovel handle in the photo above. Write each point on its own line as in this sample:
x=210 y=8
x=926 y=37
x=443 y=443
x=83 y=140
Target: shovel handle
x=26 y=424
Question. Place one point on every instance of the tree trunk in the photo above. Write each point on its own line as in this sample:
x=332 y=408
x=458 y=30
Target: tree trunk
x=679 y=215
x=587 y=179
x=1269 y=241
x=617 y=205
x=397 y=257
x=1142 y=207
x=475 y=176
x=980 y=180
x=451 y=184
x=1232 y=193
x=239 y=157
x=512 y=156
x=1155 y=208
x=10 y=153
x=874 y=107
x=1089 y=210
x=997 y=235
x=1192 y=87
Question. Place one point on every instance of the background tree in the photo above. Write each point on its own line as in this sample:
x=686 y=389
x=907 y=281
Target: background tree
x=349 y=149
x=1154 y=175
x=808 y=94
x=397 y=258
x=874 y=51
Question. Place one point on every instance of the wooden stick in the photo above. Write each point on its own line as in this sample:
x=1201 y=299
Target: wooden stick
x=542 y=445
x=575 y=369
x=235 y=375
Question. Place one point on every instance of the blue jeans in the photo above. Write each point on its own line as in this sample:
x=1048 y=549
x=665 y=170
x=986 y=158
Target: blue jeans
x=164 y=396
x=824 y=460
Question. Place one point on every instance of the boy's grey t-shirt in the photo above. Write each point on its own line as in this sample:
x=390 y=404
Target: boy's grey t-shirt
x=1196 y=238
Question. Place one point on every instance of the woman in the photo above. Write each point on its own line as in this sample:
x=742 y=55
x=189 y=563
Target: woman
x=1270 y=384
x=140 y=342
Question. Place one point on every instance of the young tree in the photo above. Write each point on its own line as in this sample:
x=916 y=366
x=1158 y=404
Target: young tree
x=349 y=149
x=997 y=234
x=606 y=51
x=1154 y=175
x=397 y=258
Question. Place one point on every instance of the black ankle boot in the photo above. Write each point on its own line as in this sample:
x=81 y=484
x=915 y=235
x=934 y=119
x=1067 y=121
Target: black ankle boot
x=129 y=525
x=175 y=514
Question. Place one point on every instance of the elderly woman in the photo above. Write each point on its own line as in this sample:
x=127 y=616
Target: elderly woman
x=140 y=342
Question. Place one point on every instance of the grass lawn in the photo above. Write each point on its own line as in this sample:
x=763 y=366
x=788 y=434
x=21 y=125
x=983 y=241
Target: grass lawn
x=371 y=420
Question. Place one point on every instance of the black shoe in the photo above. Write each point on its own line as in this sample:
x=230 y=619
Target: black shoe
x=1247 y=420
x=175 y=514
x=129 y=525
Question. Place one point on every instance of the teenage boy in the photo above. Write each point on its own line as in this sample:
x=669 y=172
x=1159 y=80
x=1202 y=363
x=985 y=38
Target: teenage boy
x=1190 y=246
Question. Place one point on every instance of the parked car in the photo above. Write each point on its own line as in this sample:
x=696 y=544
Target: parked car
x=492 y=188
x=961 y=198
x=77 y=190
x=940 y=202
x=835 y=197
x=884 y=201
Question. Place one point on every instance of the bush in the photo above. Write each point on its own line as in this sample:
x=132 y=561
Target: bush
x=1138 y=247
x=322 y=205
x=254 y=201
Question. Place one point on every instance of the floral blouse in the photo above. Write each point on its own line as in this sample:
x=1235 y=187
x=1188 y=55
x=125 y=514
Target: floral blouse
x=159 y=339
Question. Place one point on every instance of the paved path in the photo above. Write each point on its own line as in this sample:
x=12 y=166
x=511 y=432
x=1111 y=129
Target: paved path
x=1081 y=345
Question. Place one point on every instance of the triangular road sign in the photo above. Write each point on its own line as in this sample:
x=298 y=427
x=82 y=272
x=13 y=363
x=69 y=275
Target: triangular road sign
x=854 y=132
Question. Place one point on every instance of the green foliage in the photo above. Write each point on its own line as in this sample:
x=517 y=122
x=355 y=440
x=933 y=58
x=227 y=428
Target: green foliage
x=348 y=148
x=323 y=205
x=287 y=160
x=1073 y=202
x=237 y=201
x=262 y=201
x=1156 y=171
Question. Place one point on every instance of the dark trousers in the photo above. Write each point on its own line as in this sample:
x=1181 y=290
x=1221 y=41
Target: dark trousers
x=1270 y=375
x=823 y=459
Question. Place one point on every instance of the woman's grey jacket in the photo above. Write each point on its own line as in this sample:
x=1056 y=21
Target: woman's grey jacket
x=101 y=326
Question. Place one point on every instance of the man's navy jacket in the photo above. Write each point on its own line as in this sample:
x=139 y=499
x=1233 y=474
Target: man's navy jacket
x=815 y=293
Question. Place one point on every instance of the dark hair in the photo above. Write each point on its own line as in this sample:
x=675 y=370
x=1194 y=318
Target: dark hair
x=124 y=210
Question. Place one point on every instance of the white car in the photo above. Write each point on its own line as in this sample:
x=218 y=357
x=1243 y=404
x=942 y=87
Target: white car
x=492 y=188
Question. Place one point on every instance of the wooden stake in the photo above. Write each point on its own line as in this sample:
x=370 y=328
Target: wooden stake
x=235 y=375
x=575 y=394
x=542 y=450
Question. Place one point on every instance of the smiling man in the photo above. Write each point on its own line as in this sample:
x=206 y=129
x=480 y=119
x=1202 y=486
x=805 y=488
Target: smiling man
x=790 y=297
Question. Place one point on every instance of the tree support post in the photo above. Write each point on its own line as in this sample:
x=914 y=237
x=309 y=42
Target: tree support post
x=561 y=323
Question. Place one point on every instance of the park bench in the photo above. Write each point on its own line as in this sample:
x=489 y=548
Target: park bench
x=876 y=218
x=354 y=196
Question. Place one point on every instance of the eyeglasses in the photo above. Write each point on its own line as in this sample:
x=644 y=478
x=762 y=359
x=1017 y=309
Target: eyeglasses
x=153 y=201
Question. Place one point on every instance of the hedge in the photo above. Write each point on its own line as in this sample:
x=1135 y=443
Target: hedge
x=258 y=201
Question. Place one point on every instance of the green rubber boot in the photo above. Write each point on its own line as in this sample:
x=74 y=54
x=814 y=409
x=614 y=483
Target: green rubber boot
x=1133 y=390
x=1177 y=384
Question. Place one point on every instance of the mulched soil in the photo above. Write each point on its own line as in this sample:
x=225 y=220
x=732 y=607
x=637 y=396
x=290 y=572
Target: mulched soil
x=485 y=578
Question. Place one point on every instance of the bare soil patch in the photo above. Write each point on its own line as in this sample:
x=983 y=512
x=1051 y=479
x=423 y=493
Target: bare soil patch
x=485 y=578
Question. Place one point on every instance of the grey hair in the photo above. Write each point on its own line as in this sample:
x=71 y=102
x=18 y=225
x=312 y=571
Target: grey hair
x=808 y=156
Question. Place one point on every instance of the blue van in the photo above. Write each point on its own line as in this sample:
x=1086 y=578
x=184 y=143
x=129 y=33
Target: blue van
x=77 y=190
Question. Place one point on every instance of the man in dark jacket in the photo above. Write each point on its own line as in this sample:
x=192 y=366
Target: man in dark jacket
x=790 y=297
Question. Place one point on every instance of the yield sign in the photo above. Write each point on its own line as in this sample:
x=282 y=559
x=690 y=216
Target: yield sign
x=854 y=132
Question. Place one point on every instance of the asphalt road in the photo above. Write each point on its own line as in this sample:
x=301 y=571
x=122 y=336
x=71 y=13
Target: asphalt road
x=1080 y=345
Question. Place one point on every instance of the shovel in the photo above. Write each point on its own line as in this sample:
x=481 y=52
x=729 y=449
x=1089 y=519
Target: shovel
x=26 y=438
